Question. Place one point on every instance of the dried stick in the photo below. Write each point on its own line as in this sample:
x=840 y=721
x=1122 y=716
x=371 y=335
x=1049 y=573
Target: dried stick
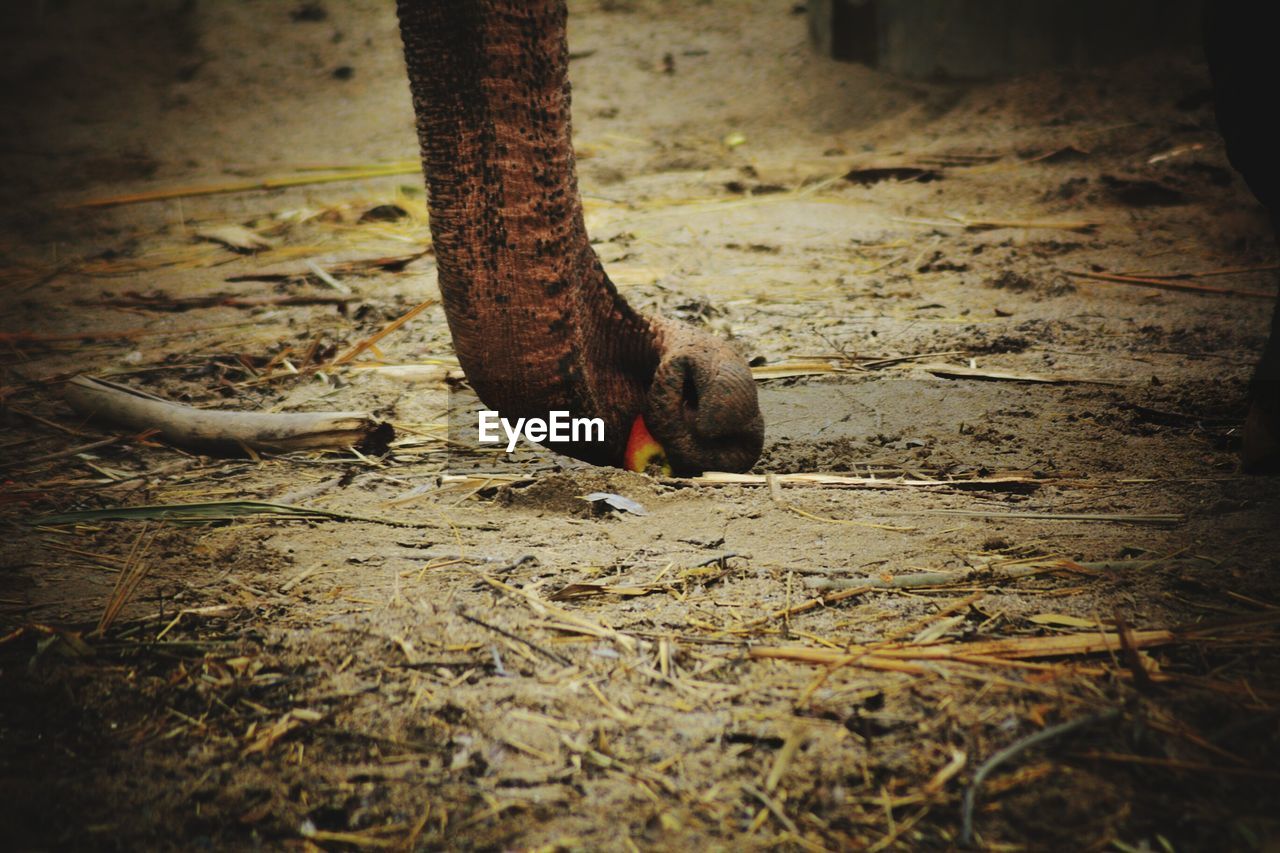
x=1167 y=284
x=219 y=431
x=560 y=659
x=1011 y=751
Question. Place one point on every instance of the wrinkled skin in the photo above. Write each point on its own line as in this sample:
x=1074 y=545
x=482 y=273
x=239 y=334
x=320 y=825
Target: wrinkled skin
x=536 y=323
x=1239 y=44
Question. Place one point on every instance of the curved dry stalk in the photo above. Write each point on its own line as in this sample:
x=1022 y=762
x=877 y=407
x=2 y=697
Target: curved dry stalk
x=219 y=431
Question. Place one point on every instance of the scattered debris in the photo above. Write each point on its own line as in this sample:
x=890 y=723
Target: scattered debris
x=618 y=502
x=211 y=512
x=158 y=300
x=1170 y=283
x=955 y=371
x=874 y=175
x=1013 y=479
x=362 y=267
x=350 y=173
x=372 y=340
x=1142 y=193
x=1012 y=751
x=238 y=238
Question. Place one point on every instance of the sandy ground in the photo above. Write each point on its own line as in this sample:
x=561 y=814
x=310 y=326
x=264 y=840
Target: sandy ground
x=494 y=664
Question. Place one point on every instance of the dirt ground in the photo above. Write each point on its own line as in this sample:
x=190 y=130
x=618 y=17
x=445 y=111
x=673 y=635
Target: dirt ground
x=495 y=663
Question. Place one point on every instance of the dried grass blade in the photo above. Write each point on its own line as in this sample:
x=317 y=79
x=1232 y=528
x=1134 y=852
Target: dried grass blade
x=386 y=330
x=353 y=174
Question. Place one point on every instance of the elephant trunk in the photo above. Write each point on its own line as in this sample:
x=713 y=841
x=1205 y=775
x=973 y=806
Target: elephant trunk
x=536 y=324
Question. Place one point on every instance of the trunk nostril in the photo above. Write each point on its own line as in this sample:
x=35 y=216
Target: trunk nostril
x=689 y=393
